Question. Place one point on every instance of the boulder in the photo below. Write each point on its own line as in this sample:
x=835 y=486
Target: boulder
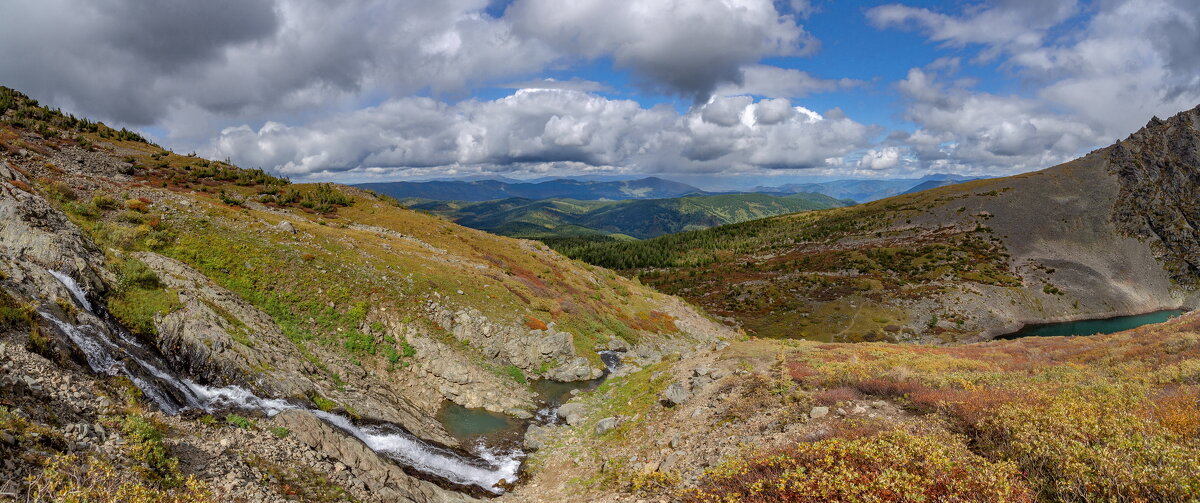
x=676 y=394
x=818 y=412
x=605 y=425
x=286 y=226
x=572 y=413
x=536 y=436
x=578 y=369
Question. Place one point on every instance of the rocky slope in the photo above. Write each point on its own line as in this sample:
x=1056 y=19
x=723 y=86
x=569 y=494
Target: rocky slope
x=1105 y=235
x=1099 y=418
x=334 y=302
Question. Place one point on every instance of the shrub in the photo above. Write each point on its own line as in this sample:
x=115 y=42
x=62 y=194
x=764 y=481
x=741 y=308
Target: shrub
x=515 y=373
x=891 y=466
x=144 y=440
x=239 y=421
x=535 y=324
x=93 y=479
x=140 y=297
x=137 y=205
x=12 y=313
x=836 y=395
x=323 y=403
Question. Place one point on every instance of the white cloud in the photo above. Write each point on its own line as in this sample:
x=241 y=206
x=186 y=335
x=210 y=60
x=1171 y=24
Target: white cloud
x=1094 y=78
x=1002 y=24
x=884 y=158
x=965 y=131
x=682 y=47
x=548 y=130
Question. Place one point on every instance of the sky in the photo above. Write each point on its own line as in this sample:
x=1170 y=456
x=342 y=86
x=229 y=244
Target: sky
x=720 y=93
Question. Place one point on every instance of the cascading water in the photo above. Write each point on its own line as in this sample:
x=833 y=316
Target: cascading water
x=554 y=393
x=123 y=355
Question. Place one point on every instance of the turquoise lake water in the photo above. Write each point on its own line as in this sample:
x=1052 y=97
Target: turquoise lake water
x=1093 y=327
x=466 y=424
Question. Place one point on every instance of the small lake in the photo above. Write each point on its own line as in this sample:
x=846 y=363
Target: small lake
x=1092 y=327
x=471 y=424
x=491 y=428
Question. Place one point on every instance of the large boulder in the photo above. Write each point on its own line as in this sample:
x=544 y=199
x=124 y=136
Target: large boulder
x=578 y=369
x=573 y=413
x=676 y=394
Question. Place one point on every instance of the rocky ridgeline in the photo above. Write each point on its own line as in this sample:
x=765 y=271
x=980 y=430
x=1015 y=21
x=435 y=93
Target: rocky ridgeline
x=1159 y=201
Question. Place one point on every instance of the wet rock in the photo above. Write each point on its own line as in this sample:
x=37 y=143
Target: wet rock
x=676 y=394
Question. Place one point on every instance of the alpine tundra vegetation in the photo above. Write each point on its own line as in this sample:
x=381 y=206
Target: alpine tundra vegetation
x=534 y=251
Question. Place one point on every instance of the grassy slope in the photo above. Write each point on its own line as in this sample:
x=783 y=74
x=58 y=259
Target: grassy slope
x=327 y=284
x=1102 y=418
x=642 y=218
x=786 y=275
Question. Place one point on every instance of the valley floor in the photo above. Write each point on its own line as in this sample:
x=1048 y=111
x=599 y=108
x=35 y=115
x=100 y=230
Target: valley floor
x=1100 y=418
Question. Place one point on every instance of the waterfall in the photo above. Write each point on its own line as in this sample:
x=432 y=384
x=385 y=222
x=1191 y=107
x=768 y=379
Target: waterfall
x=123 y=355
x=73 y=287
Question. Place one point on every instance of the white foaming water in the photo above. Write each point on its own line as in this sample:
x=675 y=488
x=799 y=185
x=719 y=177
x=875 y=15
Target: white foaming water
x=73 y=287
x=611 y=359
x=490 y=468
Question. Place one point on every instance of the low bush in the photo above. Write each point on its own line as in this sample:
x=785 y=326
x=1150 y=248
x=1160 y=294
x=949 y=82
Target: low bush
x=893 y=466
x=93 y=479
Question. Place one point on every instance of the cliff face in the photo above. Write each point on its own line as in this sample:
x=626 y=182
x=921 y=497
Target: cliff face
x=1159 y=201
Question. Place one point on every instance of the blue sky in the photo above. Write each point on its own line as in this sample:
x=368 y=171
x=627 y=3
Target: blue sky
x=722 y=93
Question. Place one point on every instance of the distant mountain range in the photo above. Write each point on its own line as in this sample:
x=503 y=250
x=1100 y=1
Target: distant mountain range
x=642 y=218
x=597 y=188
x=490 y=190
x=863 y=191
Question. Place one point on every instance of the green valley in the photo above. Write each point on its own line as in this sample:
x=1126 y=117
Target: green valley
x=551 y=220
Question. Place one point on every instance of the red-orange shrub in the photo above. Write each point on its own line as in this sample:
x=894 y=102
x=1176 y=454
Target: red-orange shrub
x=535 y=324
x=834 y=395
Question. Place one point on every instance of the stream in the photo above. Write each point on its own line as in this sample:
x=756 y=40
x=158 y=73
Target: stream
x=112 y=350
x=492 y=430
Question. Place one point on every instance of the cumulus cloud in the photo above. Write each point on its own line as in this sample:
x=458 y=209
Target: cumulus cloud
x=775 y=82
x=884 y=158
x=137 y=63
x=688 y=48
x=1002 y=23
x=1095 y=78
x=536 y=129
x=968 y=131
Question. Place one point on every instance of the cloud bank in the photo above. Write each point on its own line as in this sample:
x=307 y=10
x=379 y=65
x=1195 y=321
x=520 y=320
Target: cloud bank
x=538 y=129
